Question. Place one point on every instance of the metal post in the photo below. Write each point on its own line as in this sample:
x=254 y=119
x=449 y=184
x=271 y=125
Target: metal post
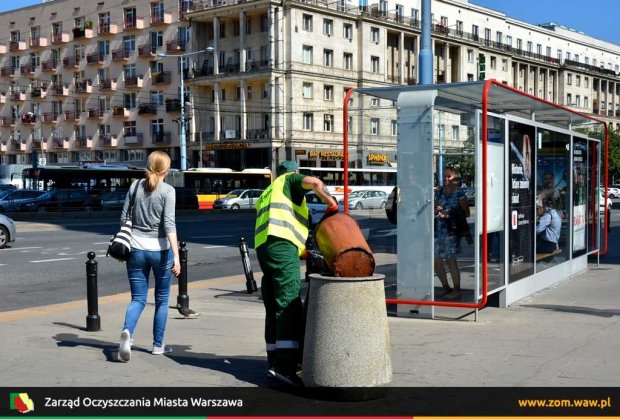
x=440 y=163
x=426 y=53
x=93 y=321
x=250 y=283
x=182 y=119
x=183 y=298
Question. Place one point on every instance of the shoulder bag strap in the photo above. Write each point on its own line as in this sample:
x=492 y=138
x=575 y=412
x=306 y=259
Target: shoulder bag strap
x=132 y=201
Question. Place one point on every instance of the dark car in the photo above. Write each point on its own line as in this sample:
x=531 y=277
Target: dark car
x=391 y=205
x=60 y=200
x=11 y=200
x=186 y=199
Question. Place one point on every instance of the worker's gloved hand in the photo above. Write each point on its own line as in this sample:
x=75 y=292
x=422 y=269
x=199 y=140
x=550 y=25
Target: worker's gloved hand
x=304 y=255
x=331 y=210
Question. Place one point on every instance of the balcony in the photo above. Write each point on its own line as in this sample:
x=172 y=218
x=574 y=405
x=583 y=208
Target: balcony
x=108 y=140
x=173 y=105
x=84 y=142
x=2 y=97
x=71 y=116
x=82 y=87
x=60 y=143
x=95 y=58
x=161 y=19
x=163 y=77
x=62 y=90
x=60 y=38
x=71 y=62
x=147 y=109
x=38 y=42
x=18 y=145
x=121 y=54
x=7 y=121
x=85 y=33
x=133 y=138
x=38 y=92
x=17 y=96
x=49 y=65
x=96 y=113
x=134 y=81
x=189 y=7
x=49 y=117
x=7 y=71
x=159 y=138
x=133 y=24
x=17 y=46
x=27 y=69
x=107 y=84
x=230 y=134
x=3 y=146
x=28 y=118
x=146 y=50
x=120 y=111
x=107 y=29
x=175 y=46
x=257 y=134
x=38 y=144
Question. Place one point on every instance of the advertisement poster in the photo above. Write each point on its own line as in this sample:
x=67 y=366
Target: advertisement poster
x=521 y=189
x=580 y=150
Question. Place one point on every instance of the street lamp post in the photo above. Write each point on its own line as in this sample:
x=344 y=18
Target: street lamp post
x=182 y=121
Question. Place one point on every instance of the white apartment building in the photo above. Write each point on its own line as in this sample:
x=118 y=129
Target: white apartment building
x=82 y=81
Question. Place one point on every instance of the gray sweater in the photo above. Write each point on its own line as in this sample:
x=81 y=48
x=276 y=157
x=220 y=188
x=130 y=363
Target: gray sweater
x=153 y=213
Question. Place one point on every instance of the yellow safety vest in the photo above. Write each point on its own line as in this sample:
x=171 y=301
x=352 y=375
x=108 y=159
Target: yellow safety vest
x=277 y=215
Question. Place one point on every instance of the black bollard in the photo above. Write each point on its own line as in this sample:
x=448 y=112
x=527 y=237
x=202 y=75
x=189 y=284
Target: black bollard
x=183 y=298
x=250 y=283
x=93 y=321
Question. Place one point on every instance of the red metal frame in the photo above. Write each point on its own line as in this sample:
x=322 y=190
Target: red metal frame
x=485 y=102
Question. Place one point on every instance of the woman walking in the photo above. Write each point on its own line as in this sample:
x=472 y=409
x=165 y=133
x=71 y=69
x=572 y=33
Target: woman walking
x=153 y=247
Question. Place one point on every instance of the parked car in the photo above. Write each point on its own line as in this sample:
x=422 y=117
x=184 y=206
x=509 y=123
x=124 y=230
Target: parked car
x=186 y=199
x=613 y=192
x=7 y=231
x=10 y=201
x=316 y=207
x=237 y=199
x=7 y=187
x=59 y=200
x=391 y=205
x=602 y=203
x=367 y=199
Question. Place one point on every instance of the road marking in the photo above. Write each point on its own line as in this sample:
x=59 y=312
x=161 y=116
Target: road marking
x=108 y=242
x=212 y=247
x=211 y=237
x=50 y=260
x=20 y=248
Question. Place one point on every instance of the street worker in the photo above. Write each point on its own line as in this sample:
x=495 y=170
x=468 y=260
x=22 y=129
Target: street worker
x=280 y=241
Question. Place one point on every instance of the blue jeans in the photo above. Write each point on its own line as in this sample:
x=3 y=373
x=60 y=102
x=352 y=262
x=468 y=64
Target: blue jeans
x=139 y=268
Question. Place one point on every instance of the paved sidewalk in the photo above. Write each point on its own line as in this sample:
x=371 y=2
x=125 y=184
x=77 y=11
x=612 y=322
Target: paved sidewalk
x=568 y=335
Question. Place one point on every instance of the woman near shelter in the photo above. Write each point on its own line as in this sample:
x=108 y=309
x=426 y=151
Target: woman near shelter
x=153 y=247
x=451 y=211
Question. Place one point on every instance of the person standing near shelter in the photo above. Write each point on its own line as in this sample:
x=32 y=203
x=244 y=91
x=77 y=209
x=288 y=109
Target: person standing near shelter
x=548 y=227
x=280 y=240
x=153 y=247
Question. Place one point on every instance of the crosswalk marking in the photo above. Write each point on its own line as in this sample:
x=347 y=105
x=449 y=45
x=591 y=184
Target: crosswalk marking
x=50 y=260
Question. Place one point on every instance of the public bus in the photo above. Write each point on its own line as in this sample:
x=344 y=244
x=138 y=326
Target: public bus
x=212 y=183
x=375 y=178
x=93 y=179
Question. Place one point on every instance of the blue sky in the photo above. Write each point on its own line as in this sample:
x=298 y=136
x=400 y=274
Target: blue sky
x=598 y=18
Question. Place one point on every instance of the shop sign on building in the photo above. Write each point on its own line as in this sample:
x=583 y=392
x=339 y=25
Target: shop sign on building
x=377 y=158
x=228 y=145
x=326 y=155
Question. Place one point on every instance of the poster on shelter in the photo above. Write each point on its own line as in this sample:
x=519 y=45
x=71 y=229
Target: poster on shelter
x=580 y=154
x=521 y=189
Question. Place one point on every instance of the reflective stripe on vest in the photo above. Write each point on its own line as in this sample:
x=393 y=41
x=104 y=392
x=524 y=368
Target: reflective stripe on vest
x=277 y=215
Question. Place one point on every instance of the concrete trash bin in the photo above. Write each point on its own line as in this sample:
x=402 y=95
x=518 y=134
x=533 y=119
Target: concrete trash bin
x=347 y=341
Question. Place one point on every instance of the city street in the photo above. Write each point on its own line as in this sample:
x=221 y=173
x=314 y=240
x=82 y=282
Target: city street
x=46 y=264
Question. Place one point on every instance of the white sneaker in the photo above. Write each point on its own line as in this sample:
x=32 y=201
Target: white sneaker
x=124 y=348
x=160 y=350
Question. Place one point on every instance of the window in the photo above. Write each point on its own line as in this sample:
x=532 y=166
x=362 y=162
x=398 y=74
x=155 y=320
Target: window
x=328 y=27
x=455 y=132
x=393 y=128
x=236 y=27
x=568 y=55
x=578 y=101
x=509 y=40
x=328 y=123
x=374 y=126
x=474 y=31
x=560 y=55
x=222 y=29
x=587 y=60
x=129 y=43
x=569 y=99
x=470 y=55
x=493 y=62
x=504 y=64
x=308 y=118
x=347 y=31
x=328 y=58
x=307 y=23
x=586 y=81
x=586 y=102
x=157 y=40
x=499 y=37
x=307 y=90
x=374 y=102
x=249 y=92
x=328 y=92
x=569 y=79
x=519 y=44
x=539 y=49
x=415 y=15
x=129 y=100
x=578 y=80
x=248 y=26
x=443 y=21
x=238 y=93
x=157 y=97
x=307 y=54
x=548 y=51
x=374 y=63
x=530 y=46
x=374 y=35
x=264 y=23
x=348 y=61
x=459 y=28
x=487 y=35
x=577 y=57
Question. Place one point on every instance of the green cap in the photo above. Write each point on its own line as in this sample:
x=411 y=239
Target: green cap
x=286 y=166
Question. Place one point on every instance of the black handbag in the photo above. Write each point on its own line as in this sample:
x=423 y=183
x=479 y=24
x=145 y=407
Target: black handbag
x=120 y=244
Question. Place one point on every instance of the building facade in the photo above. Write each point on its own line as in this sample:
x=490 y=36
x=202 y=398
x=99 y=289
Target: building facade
x=86 y=81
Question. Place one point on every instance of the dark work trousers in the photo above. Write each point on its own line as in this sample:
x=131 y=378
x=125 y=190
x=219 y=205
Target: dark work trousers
x=280 y=286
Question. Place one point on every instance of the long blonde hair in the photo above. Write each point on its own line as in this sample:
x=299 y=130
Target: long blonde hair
x=158 y=166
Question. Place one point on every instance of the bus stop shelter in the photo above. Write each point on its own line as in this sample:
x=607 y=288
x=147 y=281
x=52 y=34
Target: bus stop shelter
x=527 y=156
